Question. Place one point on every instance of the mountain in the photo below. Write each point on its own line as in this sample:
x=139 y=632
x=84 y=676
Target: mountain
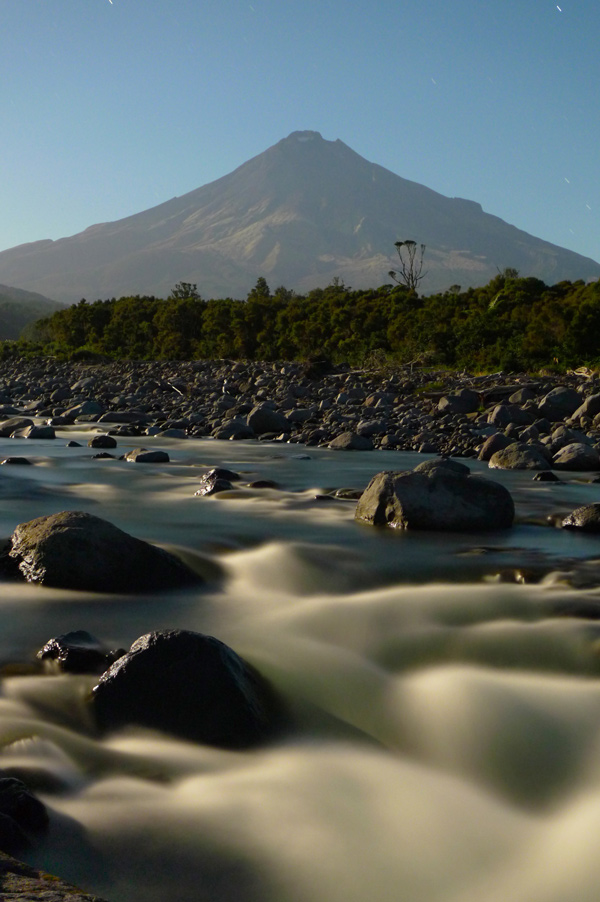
x=299 y=214
x=18 y=308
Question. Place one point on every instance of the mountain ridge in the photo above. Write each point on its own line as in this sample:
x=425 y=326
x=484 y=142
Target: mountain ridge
x=300 y=213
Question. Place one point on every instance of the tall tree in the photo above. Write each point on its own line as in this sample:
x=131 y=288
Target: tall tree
x=411 y=264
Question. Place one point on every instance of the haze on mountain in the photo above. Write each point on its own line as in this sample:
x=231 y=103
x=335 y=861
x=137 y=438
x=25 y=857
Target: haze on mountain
x=301 y=213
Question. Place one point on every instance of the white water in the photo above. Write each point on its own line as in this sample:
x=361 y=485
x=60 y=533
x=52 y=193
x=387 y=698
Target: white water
x=446 y=738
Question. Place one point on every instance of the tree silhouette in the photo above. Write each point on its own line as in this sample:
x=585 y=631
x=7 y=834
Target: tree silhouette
x=411 y=264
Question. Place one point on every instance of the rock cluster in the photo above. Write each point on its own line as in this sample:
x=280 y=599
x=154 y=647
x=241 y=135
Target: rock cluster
x=557 y=418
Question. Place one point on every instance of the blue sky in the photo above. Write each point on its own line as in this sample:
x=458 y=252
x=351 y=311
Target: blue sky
x=108 y=108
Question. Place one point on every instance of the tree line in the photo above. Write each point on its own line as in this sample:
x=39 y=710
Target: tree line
x=511 y=323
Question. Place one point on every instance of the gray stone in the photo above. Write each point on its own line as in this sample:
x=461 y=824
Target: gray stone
x=577 y=456
x=519 y=456
x=464 y=401
x=350 y=441
x=263 y=418
x=496 y=442
x=441 y=499
x=75 y=550
x=559 y=403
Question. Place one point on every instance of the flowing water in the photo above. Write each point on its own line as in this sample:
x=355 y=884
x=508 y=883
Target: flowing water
x=446 y=722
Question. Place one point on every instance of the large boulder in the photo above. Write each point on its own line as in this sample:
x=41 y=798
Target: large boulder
x=22 y=816
x=190 y=685
x=439 y=498
x=75 y=550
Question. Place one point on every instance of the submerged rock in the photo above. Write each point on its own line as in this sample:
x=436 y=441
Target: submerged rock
x=76 y=550
x=439 y=498
x=78 y=652
x=190 y=685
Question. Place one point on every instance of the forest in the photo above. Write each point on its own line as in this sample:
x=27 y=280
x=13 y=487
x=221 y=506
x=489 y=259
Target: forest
x=512 y=323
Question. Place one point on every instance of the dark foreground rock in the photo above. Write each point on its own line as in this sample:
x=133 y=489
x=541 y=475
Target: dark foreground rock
x=22 y=816
x=190 y=685
x=439 y=497
x=22 y=883
x=75 y=550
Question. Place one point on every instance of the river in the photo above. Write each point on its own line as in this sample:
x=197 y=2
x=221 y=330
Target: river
x=446 y=713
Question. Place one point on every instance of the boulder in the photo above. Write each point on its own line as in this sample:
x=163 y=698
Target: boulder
x=102 y=441
x=560 y=403
x=34 y=431
x=440 y=499
x=496 y=442
x=577 y=456
x=350 y=441
x=143 y=456
x=586 y=518
x=519 y=456
x=75 y=550
x=190 y=685
x=464 y=401
x=264 y=418
x=13 y=424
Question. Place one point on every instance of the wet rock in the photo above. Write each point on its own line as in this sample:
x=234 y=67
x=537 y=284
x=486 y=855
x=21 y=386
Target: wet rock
x=40 y=432
x=13 y=424
x=78 y=652
x=102 y=441
x=16 y=461
x=190 y=685
x=351 y=441
x=22 y=815
x=214 y=481
x=546 y=476
x=75 y=550
x=438 y=499
x=143 y=456
x=577 y=456
x=586 y=518
x=519 y=456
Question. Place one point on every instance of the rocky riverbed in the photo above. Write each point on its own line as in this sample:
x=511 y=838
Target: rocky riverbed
x=458 y=415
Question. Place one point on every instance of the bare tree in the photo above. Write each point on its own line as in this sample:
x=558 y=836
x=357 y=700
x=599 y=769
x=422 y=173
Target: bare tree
x=411 y=264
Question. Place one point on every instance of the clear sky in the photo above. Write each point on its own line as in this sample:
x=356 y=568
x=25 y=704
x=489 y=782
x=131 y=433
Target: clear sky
x=109 y=107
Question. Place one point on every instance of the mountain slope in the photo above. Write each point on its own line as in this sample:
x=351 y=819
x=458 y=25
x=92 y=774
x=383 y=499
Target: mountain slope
x=18 y=308
x=299 y=214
